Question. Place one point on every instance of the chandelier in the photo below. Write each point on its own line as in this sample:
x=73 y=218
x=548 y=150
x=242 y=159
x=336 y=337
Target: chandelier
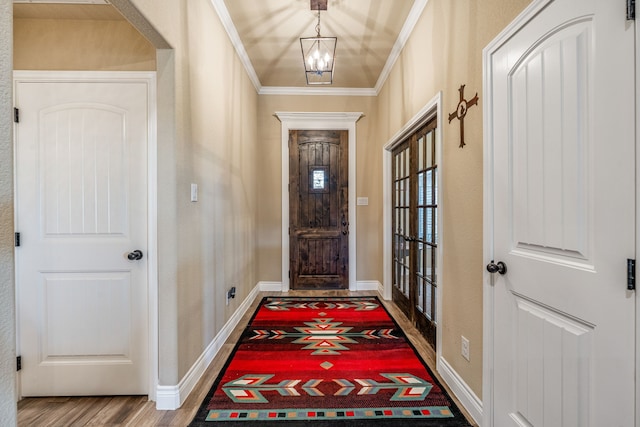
x=318 y=53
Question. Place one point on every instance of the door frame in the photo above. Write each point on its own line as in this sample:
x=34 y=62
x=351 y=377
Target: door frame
x=148 y=78
x=431 y=109
x=488 y=244
x=318 y=121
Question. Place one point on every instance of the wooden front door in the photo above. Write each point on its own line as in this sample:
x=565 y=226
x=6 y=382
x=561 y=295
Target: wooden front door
x=319 y=214
x=562 y=219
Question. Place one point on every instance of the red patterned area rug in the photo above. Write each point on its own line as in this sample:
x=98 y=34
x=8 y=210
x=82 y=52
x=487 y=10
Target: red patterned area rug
x=325 y=361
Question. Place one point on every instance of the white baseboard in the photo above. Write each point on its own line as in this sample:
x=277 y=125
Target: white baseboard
x=172 y=397
x=270 y=286
x=361 y=285
x=368 y=285
x=462 y=391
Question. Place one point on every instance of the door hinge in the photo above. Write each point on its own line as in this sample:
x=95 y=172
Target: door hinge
x=18 y=363
x=631 y=10
x=289 y=274
x=17 y=239
x=16 y=115
x=631 y=274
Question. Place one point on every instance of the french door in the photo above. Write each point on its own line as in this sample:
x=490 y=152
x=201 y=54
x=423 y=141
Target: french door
x=415 y=226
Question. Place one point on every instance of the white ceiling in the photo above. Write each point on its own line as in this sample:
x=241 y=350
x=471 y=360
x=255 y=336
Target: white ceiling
x=266 y=35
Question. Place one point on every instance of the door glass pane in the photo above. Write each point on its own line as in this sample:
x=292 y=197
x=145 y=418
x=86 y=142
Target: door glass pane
x=428 y=302
x=428 y=183
x=420 y=295
x=421 y=164
x=429 y=225
x=406 y=163
x=429 y=261
x=429 y=148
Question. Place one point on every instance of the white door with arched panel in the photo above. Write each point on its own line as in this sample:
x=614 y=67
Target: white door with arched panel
x=81 y=211
x=560 y=205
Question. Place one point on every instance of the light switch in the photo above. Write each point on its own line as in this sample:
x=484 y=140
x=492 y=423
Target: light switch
x=194 y=192
x=363 y=201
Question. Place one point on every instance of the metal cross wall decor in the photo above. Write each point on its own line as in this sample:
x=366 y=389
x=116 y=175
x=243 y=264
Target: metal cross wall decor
x=461 y=111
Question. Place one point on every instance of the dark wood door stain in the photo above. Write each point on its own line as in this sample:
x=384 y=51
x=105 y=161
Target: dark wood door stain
x=319 y=209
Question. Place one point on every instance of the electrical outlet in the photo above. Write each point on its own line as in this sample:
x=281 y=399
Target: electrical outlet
x=465 y=347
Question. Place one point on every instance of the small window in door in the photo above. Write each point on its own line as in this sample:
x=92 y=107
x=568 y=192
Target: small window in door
x=318 y=179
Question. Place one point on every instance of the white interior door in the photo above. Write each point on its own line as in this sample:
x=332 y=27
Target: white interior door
x=561 y=165
x=81 y=182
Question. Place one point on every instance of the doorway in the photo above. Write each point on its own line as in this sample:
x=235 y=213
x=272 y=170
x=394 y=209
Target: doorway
x=318 y=121
x=318 y=199
x=560 y=218
x=82 y=213
x=415 y=228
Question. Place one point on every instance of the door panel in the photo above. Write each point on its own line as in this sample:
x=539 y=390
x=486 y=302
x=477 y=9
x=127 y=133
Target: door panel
x=563 y=212
x=319 y=229
x=81 y=208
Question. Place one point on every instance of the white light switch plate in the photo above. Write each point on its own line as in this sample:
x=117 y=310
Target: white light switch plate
x=194 y=192
x=363 y=201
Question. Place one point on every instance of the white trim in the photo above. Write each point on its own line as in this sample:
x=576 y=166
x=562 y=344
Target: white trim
x=401 y=41
x=149 y=77
x=488 y=291
x=270 y=286
x=461 y=390
x=637 y=81
x=334 y=120
x=227 y=23
x=172 y=397
x=330 y=91
x=368 y=285
x=152 y=238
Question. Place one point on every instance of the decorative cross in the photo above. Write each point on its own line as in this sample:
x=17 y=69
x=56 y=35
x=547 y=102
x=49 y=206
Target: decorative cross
x=461 y=111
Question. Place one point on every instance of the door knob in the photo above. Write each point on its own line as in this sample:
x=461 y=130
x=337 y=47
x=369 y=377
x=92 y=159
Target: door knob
x=135 y=255
x=500 y=267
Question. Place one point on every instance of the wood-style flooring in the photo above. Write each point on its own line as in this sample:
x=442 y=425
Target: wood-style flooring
x=137 y=411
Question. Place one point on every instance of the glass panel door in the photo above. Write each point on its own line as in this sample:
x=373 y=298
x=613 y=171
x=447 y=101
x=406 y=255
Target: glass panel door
x=415 y=225
x=401 y=226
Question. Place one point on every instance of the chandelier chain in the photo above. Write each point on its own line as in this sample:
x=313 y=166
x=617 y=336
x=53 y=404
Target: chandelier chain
x=318 y=25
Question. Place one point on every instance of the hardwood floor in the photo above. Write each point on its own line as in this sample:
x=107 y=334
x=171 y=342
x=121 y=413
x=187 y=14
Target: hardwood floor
x=137 y=411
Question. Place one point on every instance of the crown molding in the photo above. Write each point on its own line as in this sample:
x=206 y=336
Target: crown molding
x=405 y=33
x=331 y=91
x=228 y=25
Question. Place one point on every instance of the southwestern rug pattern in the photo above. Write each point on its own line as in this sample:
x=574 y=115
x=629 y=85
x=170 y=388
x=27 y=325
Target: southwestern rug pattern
x=336 y=361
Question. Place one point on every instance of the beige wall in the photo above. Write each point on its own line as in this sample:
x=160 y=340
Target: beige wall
x=444 y=52
x=216 y=147
x=65 y=44
x=7 y=285
x=368 y=181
